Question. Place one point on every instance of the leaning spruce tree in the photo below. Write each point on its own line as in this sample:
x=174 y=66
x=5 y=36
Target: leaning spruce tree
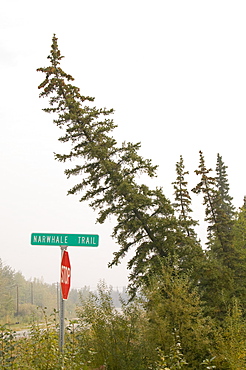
x=107 y=175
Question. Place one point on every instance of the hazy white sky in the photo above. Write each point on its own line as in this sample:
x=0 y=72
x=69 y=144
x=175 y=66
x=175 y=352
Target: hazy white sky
x=175 y=73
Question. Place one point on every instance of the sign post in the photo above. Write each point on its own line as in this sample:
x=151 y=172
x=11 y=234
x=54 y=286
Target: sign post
x=65 y=286
x=63 y=241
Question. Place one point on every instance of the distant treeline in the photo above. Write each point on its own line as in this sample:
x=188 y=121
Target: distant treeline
x=20 y=297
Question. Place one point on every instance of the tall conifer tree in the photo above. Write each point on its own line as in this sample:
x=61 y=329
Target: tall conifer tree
x=224 y=214
x=106 y=174
x=238 y=260
x=207 y=187
x=217 y=282
x=224 y=188
x=215 y=190
x=182 y=203
x=192 y=249
x=225 y=270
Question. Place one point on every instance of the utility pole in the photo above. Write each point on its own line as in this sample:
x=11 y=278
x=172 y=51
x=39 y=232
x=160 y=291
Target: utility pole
x=17 y=300
x=32 y=300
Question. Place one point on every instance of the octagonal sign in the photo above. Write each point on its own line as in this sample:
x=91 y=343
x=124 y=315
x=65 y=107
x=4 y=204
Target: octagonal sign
x=65 y=275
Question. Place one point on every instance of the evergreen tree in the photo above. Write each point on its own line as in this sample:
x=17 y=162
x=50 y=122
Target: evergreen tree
x=218 y=209
x=206 y=186
x=217 y=278
x=107 y=174
x=192 y=250
x=182 y=203
x=239 y=258
x=225 y=269
x=223 y=188
x=240 y=228
x=225 y=213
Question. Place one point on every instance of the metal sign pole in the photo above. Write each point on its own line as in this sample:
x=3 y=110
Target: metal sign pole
x=62 y=309
x=64 y=240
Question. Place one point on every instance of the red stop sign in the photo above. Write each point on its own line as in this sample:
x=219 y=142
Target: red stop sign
x=65 y=274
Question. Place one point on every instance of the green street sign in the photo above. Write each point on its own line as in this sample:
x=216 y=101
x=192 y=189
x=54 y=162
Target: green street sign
x=76 y=240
